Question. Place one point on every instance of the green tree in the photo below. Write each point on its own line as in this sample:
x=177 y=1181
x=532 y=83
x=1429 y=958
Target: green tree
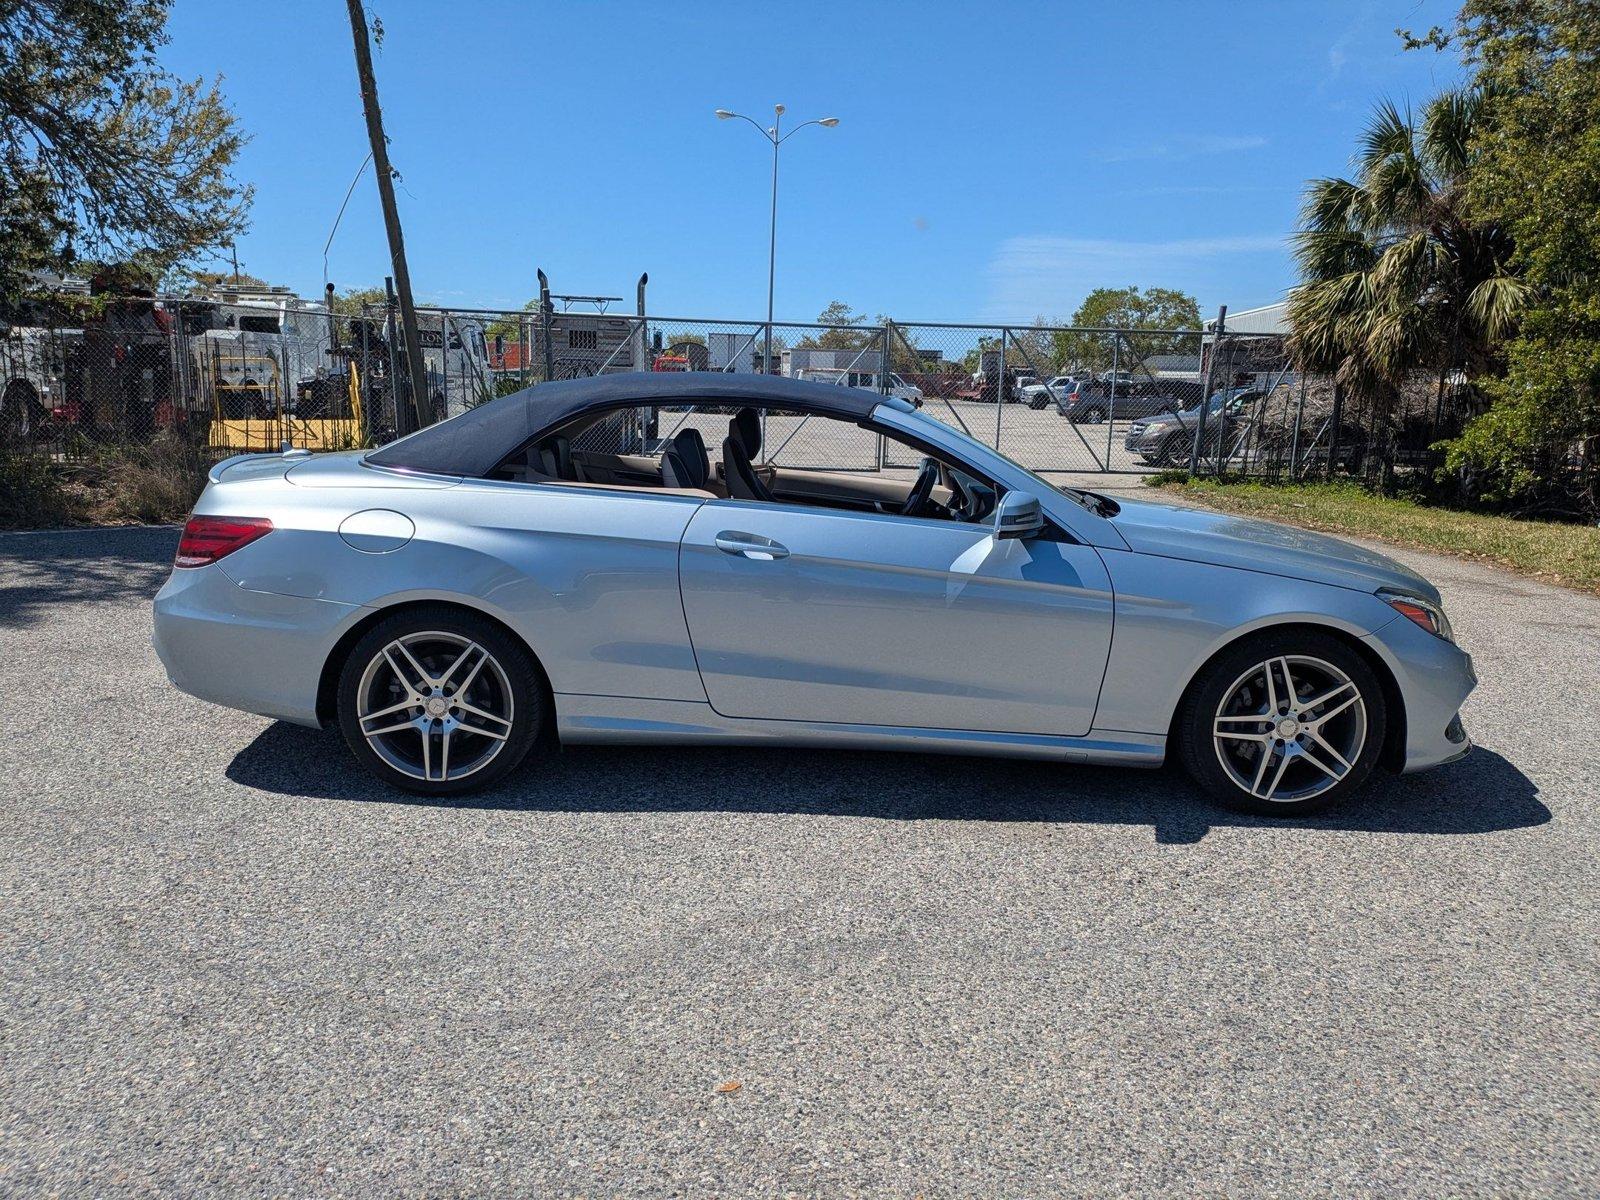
x=840 y=336
x=104 y=156
x=194 y=280
x=1398 y=271
x=351 y=302
x=1126 y=308
x=1537 y=447
x=1132 y=308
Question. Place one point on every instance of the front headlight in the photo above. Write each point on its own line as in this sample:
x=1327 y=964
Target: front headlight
x=1420 y=612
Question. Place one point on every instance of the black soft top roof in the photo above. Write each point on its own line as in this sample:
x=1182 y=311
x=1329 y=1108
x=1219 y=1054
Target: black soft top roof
x=473 y=443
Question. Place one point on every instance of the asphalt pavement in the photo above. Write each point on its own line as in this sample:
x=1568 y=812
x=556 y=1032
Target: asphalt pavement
x=232 y=965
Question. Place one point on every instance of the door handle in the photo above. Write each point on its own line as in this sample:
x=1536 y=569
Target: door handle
x=750 y=545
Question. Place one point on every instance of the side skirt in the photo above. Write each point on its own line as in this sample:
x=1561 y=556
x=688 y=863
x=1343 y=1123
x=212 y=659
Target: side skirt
x=628 y=721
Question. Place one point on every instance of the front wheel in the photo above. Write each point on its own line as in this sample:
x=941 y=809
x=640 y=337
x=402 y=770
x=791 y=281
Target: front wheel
x=439 y=701
x=1283 y=723
x=1169 y=450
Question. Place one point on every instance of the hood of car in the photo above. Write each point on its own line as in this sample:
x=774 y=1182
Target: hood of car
x=1195 y=535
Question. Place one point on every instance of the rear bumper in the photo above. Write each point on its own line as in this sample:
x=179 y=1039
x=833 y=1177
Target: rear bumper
x=255 y=651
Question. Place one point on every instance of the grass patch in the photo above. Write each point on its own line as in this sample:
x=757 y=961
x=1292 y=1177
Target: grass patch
x=1557 y=553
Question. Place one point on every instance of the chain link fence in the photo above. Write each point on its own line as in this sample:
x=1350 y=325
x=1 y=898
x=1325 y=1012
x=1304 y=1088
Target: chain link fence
x=258 y=372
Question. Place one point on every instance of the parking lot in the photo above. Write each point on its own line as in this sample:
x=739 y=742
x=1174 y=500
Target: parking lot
x=230 y=964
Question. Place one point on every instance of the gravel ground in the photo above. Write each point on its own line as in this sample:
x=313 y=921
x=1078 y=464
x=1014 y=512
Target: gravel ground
x=231 y=966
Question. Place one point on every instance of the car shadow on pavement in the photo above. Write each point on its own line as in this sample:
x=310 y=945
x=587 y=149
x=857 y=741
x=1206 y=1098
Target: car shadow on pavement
x=1483 y=794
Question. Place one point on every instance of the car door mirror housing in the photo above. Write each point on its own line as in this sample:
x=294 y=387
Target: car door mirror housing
x=1018 y=516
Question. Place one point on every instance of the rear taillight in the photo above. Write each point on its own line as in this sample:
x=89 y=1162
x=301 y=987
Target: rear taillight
x=206 y=539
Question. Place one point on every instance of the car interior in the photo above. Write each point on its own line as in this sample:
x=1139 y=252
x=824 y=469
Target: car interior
x=667 y=449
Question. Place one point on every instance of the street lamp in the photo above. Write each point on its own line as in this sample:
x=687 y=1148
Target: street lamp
x=777 y=139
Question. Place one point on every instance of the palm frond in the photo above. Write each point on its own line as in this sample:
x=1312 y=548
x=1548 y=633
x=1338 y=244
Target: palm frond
x=1399 y=191
x=1328 y=254
x=1497 y=303
x=1324 y=315
x=1332 y=204
x=1388 y=133
x=1448 y=124
x=1407 y=267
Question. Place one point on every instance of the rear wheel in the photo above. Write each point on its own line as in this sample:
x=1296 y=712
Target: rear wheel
x=439 y=701
x=1092 y=416
x=1283 y=723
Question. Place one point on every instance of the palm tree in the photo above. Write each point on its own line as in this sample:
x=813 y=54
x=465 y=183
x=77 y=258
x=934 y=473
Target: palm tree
x=1397 y=272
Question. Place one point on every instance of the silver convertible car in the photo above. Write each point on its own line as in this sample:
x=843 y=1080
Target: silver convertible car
x=619 y=559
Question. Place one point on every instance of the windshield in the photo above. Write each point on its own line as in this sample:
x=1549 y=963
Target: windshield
x=1089 y=500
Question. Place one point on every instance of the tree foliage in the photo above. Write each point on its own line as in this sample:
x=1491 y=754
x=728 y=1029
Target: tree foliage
x=352 y=302
x=105 y=157
x=1538 y=163
x=841 y=319
x=1125 y=308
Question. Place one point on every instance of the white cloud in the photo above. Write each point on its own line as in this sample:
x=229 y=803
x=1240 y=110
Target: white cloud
x=1187 y=146
x=1046 y=273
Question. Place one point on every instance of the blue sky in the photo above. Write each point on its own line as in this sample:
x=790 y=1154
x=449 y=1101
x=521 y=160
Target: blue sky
x=993 y=162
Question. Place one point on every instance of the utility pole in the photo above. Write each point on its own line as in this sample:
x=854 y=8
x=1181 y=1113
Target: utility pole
x=391 y=215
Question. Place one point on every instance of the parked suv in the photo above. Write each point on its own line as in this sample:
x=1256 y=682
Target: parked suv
x=1037 y=395
x=1167 y=437
x=1090 y=404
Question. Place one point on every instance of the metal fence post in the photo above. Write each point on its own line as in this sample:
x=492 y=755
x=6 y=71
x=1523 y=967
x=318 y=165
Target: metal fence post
x=1000 y=387
x=1111 y=394
x=1205 y=391
x=1333 y=426
x=1294 y=437
x=883 y=384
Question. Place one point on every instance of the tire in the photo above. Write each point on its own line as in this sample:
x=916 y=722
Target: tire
x=1313 y=754
x=20 y=413
x=406 y=672
x=1169 y=450
x=1092 y=416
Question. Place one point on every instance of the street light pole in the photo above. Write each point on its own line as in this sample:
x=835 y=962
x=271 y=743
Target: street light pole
x=777 y=138
x=772 y=239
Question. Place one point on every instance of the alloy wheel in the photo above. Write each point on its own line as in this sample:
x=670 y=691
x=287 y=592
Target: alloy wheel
x=435 y=706
x=1290 y=728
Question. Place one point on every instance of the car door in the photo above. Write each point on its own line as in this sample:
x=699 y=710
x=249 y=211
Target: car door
x=817 y=614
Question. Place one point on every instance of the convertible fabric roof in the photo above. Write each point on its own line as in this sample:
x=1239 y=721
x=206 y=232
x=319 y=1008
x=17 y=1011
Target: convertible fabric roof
x=472 y=443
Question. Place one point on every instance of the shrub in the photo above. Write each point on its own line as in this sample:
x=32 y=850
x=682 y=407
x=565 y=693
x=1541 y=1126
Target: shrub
x=32 y=495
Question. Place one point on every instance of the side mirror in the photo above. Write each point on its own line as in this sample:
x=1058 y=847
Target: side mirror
x=1018 y=516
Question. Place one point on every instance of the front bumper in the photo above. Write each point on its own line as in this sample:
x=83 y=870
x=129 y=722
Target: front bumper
x=1141 y=441
x=256 y=651
x=1435 y=677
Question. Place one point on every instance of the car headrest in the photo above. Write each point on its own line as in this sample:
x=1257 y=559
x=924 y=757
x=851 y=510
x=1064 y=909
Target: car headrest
x=745 y=428
x=684 y=463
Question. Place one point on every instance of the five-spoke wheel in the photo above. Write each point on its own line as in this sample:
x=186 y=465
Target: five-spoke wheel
x=1284 y=722
x=439 y=700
